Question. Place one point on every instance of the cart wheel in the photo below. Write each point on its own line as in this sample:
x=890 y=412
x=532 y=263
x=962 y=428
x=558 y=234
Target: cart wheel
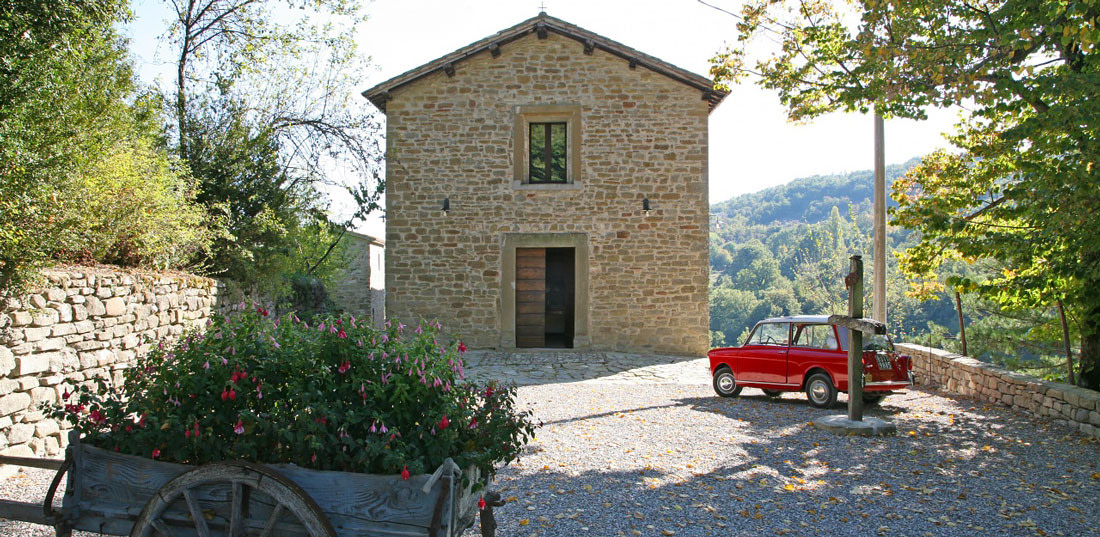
x=292 y=510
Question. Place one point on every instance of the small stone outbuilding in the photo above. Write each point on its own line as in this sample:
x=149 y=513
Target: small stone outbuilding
x=360 y=290
x=547 y=187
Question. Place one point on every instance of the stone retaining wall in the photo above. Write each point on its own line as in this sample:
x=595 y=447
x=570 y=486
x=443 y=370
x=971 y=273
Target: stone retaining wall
x=85 y=323
x=1070 y=405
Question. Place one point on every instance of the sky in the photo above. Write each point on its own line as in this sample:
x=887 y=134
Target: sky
x=752 y=145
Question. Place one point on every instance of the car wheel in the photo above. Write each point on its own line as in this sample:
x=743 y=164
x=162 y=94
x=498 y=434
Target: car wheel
x=773 y=393
x=820 y=390
x=724 y=383
x=873 y=399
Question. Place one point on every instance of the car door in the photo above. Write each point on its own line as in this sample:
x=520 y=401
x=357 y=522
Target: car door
x=814 y=346
x=763 y=359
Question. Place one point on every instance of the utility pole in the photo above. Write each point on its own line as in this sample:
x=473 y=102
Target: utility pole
x=879 y=304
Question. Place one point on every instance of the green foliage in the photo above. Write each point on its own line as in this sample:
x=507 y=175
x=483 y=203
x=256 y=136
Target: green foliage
x=265 y=117
x=797 y=265
x=1020 y=186
x=63 y=72
x=138 y=209
x=83 y=174
x=338 y=395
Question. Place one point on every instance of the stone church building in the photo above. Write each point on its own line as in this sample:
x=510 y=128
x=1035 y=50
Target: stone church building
x=547 y=188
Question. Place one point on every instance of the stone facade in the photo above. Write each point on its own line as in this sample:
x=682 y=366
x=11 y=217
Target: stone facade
x=85 y=323
x=454 y=133
x=360 y=290
x=1069 y=405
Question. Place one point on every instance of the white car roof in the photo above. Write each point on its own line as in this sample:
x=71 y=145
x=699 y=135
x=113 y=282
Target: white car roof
x=814 y=319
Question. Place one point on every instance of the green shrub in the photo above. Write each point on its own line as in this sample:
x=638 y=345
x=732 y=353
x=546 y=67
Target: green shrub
x=338 y=395
x=138 y=209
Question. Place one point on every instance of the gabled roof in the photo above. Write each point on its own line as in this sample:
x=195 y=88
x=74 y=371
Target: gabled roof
x=540 y=25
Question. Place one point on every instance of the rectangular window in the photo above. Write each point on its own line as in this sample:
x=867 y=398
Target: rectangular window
x=547 y=142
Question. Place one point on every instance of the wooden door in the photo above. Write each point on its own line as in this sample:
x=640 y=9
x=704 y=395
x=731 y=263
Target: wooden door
x=530 y=297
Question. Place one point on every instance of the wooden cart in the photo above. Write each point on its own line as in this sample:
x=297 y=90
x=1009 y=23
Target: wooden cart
x=118 y=494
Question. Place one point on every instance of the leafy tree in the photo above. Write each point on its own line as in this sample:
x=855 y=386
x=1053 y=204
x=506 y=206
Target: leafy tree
x=1021 y=186
x=265 y=117
x=730 y=312
x=62 y=69
x=84 y=175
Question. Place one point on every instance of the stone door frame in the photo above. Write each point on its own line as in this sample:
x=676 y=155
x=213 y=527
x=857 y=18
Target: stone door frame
x=507 y=308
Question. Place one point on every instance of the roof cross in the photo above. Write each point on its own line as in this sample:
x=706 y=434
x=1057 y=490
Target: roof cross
x=542 y=7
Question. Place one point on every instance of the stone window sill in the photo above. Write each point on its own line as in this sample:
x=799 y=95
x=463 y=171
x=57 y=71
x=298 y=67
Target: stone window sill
x=546 y=186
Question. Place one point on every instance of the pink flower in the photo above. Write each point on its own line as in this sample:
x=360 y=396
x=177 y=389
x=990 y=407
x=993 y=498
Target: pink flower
x=344 y=367
x=373 y=428
x=321 y=327
x=444 y=423
x=461 y=347
x=232 y=394
x=225 y=394
x=383 y=429
x=481 y=504
x=187 y=433
x=156 y=453
x=313 y=458
x=206 y=365
x=239 y=427
x=65 y=396
x=473 y=423
x=341 y=334
x=405 y=472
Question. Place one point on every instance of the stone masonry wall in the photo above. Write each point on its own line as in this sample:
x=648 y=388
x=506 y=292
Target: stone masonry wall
x=85 y=323
x=1070 y=405
x=642 y=135
x=360 y=289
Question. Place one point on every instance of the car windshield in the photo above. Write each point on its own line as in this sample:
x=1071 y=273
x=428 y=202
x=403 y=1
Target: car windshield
x=877 y=342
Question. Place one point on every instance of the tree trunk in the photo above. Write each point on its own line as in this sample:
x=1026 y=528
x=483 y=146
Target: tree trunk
x=962 y=325
x=1065 y=341
x=1089 y=363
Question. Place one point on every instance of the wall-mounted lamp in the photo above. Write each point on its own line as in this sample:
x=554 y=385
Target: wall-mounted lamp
x=446 y=205
x=645 y=206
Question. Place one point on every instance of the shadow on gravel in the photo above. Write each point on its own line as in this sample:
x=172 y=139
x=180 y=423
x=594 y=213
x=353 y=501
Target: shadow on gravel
x=700 y=466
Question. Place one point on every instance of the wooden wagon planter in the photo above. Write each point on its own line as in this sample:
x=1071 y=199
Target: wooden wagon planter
x=118 y=494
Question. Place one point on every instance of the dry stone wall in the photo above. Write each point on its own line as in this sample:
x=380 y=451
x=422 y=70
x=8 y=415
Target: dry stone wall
x=643 y=135
x=85 y=323
x=1070 y=405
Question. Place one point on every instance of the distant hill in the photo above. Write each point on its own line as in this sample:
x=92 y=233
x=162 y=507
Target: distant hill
x=809 y=199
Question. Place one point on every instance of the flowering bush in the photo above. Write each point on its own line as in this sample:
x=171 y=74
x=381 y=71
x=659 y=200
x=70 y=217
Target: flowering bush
x=338 y=395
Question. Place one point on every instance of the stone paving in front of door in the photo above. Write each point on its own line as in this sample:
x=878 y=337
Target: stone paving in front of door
x=548 y=367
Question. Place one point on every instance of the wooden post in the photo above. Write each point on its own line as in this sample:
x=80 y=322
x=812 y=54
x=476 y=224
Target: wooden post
x=962 y=325
x=855 y=340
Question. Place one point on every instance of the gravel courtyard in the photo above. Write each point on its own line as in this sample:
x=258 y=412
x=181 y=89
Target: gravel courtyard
x=650 y=450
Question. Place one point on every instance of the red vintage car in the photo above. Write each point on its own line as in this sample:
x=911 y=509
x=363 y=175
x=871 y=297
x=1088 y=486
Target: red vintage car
x=806 y=353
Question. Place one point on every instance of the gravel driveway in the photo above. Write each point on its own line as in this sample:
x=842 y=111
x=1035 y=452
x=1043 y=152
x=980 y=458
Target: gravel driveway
x=667 y=457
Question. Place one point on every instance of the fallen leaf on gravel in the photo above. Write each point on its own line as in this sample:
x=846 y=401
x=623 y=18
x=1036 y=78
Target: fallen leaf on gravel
x=524 y=522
